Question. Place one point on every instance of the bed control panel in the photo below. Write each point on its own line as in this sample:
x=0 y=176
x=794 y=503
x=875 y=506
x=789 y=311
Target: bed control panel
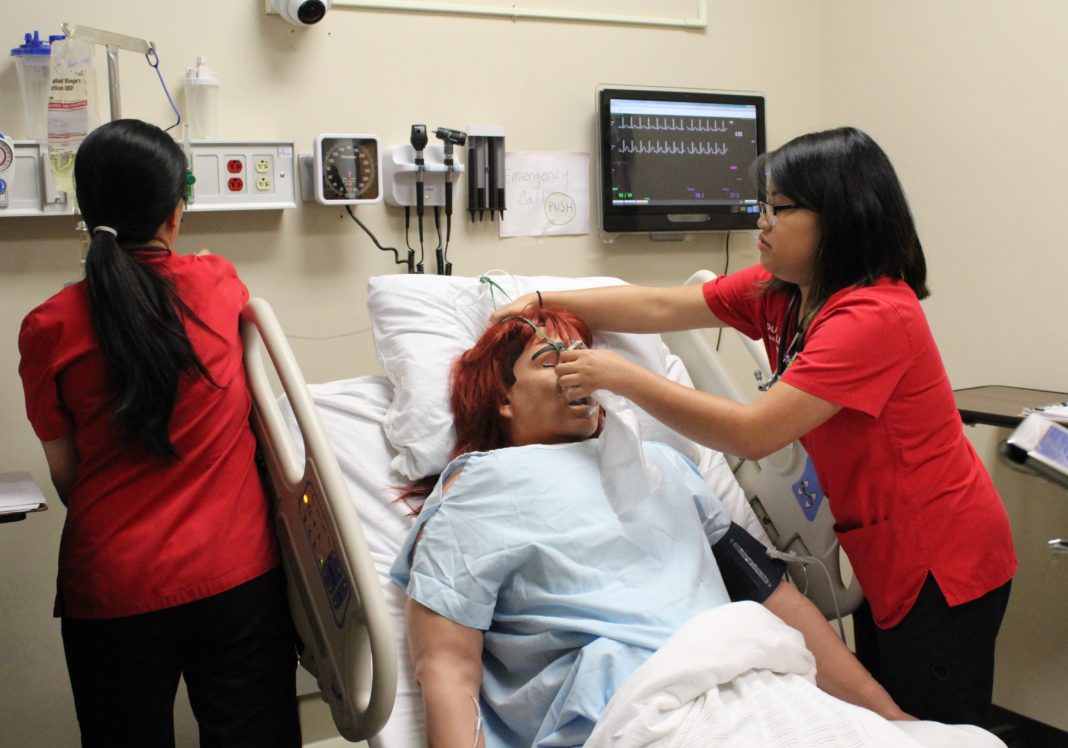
x=331 y=569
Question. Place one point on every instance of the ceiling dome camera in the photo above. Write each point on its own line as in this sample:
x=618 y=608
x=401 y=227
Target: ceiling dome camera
x=301 y=12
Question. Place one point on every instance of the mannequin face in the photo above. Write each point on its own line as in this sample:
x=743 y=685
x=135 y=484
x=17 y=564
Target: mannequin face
x=536 y=410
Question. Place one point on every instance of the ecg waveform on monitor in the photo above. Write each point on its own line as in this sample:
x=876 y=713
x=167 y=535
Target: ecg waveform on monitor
x=682 y=159
x=674 y=147
x=684 y=124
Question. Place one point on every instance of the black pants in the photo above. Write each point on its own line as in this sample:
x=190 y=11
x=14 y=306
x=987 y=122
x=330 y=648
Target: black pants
x=235 y=650
x=938 y=663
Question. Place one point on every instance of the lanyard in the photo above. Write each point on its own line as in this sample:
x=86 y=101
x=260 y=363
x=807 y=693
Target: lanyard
x=786 y=352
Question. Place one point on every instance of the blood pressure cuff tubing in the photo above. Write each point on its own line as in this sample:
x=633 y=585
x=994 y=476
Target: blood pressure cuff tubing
x=748 y=572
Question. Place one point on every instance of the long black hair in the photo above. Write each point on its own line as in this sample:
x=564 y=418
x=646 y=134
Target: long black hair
x=130 y=177
x=866 y=228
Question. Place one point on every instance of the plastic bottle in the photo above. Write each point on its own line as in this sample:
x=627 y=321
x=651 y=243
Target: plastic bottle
x=32 y=63
x=202 y=101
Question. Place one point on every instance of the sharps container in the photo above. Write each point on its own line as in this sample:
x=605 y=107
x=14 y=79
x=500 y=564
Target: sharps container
x=202 y=101
x=32 y=63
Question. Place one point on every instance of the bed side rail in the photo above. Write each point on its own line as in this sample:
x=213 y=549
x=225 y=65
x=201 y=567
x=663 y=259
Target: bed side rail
x=335 y=599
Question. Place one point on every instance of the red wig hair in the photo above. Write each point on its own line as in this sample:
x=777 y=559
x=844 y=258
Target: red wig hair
x=481 y=377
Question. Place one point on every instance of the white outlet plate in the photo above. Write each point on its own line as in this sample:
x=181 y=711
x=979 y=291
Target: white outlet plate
x=232 y=175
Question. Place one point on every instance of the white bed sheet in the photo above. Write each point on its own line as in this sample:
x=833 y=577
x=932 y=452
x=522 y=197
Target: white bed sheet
x=353 y=412
x=736 y=677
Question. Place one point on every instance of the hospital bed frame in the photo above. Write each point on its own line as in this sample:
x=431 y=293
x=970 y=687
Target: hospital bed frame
x=334 y=596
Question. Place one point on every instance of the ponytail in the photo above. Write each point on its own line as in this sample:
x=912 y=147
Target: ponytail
x=130 y=177
x=143 y=339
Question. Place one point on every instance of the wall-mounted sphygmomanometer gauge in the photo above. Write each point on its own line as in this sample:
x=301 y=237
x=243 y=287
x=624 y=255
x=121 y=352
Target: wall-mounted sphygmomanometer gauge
x=7 y=168
x=347 y=169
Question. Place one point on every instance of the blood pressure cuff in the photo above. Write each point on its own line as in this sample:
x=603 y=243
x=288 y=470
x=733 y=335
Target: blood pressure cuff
x=748 y=572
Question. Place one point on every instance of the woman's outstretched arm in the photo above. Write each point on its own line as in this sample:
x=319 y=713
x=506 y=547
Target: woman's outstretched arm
x=642 y=309
x=838 y=672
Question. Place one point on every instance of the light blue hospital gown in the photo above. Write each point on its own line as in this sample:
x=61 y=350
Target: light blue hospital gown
x=572 y=597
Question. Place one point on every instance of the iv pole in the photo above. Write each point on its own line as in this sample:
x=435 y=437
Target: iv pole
x=113 y=42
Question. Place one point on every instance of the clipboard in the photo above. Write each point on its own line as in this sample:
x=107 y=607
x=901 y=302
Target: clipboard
x=19 y=496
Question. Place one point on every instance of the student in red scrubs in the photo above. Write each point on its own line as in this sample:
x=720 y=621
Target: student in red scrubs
x=134 y=384
x=859 y=380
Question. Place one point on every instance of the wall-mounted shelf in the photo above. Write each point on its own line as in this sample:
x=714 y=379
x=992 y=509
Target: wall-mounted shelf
x=230 y=175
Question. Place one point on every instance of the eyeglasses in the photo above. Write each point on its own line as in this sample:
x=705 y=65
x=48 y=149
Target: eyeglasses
x=770 y=212
x=549 y=356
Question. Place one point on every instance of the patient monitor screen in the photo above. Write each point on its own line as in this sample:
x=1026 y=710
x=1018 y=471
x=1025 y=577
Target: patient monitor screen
x=679 y=160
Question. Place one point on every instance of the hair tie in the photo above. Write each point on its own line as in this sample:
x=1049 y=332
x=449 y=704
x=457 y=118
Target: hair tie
x=108 y=229
x=541 y=304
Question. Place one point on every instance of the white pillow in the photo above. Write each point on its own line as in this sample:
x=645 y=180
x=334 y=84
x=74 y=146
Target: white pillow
x=421 y=323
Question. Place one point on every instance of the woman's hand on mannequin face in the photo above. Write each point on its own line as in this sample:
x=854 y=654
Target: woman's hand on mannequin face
x=582 y=371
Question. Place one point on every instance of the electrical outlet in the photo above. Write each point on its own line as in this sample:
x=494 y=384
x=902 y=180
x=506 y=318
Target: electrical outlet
x=235 y=175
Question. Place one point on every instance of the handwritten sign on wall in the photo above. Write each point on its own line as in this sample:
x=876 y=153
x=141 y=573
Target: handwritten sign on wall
x=547 y=193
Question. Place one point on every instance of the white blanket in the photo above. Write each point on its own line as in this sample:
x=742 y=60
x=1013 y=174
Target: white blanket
x=739 y=676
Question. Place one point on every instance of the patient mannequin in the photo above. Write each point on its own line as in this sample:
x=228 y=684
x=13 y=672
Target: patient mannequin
x=530 y=600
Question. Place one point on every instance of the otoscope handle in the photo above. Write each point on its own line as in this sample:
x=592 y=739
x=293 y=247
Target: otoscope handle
x=419 y=196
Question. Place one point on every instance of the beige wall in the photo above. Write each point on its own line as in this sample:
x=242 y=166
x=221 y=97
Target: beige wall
x=950 y=89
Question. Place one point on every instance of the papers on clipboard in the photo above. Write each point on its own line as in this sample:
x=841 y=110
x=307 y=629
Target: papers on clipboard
x=19 y=494
x=1054 y=411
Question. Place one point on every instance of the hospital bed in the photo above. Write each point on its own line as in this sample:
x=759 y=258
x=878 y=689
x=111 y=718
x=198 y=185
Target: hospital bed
x=341 y=526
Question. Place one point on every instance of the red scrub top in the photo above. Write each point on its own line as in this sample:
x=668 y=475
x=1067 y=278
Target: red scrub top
x=142 y=532
x=908 y=492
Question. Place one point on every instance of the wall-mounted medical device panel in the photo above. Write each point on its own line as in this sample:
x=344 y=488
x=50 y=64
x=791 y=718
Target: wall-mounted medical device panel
x=345 y=169
x=7 y=168
x=400 y=175
x=250 y=175
x=678 y=160
x=28 y=187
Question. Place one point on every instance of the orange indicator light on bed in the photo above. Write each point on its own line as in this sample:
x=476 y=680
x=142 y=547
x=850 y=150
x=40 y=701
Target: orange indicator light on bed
x=305 y=498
